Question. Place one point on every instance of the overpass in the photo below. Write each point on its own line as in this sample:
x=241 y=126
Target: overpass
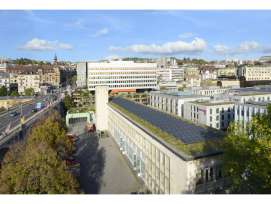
x=20 y=131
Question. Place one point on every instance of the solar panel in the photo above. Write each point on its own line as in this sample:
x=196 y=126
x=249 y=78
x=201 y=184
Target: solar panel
x=184 y=131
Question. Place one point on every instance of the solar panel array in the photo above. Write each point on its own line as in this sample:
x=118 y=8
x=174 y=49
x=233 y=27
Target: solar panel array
x=178 y=128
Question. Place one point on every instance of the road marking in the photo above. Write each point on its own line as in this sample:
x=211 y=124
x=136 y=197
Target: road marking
x=125 y=162
x=128 y=192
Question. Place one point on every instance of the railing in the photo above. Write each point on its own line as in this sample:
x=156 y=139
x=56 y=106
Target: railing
x=14 y=131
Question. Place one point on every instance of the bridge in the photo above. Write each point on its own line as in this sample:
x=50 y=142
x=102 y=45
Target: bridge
x=20 y=131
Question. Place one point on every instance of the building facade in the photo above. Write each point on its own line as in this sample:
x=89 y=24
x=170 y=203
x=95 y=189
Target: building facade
x=214 y=114
x=226 y=71
x=255 y=72
x=207 y=72
x=26 y=81
x=190 y=71
x=172 y=103
x=81 y=73
x=193 y=80
x=5 y=80
x=122 y=75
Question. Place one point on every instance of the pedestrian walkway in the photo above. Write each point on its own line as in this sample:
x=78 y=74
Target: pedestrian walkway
x=105 y=169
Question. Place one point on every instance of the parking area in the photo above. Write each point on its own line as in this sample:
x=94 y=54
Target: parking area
x=105 y=169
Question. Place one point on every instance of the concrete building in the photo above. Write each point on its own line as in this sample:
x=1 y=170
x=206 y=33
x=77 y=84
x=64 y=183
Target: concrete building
x=28 y=80
x=207 y=72
x=122 y=75
x=4 y=80
x=79 y=117
x=245 y=111
x=169 y=85
x=157 y=61
x=101 y=110
x=193 y=80
x=191 y=70
x=177 y=73
x=164 y=168
x=265 y=59
x=226 y=71
x=163 y=60
x=172 y=102
x=165 y=73
x=255 y=72
x=226 y=82
x=213 y=113
x=173 y=62
x=207 y=91
x=81 y=73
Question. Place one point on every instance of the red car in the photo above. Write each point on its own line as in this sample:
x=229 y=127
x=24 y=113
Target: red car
x=70 y=160
x=72 y=137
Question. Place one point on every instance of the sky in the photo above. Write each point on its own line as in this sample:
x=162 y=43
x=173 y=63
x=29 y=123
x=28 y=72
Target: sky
x=76 y=35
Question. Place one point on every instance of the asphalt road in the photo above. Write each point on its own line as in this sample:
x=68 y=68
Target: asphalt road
x=15 y=120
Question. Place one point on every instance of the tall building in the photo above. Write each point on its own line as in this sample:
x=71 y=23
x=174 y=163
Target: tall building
x=157 y=61
x=265 y=59
x=28 y=80
x=173 y=62
x=163 y=60
x=122 y=75
x=81 y=73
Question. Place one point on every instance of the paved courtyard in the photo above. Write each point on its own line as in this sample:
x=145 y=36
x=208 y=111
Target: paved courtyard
x=105 y=170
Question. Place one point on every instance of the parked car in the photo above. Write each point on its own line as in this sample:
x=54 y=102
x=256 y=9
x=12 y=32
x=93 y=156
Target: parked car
x=13 y=113
x=45 y=99
x=34 y=110
x=72 y=137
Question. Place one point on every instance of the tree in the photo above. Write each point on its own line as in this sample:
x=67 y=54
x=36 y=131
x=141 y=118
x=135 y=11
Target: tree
x=182 y=88
x=247 y=154
x=35 y=170
x=3 y=91
x=86 y=80
x=163 y=88
x=67 y=103
x=2 y=108
x=14 y=93
x=74 y=78
x=29 y=92
x=159 y=78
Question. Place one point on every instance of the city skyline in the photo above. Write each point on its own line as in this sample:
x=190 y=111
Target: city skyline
x=97 y=34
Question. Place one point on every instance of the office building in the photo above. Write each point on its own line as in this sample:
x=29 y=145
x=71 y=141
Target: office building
x=164 y=167
x=122 y=75
x=172 y=101
x=213 y=113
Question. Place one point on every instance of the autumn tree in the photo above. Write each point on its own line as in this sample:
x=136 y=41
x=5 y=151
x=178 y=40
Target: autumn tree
x=247 y=154
x=35 y=170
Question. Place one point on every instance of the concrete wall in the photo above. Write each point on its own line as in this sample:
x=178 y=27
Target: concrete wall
x=101 y=100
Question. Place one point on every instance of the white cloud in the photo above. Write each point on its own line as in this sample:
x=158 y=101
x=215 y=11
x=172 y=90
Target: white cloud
x=196 y=47
x=65 y=46
x=112 y=57
x=186 y=35
x=243 y=48
x=266 y=49
x=78 y=24
x=103 y=31
x=235 y=59
x=38 y=45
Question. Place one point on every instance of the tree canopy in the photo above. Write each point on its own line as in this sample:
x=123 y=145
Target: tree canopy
x=14 y=93
x=182 y=88
x=29 y=92
x=247 y=154
x=3 y=91
x=74 y=78
x=67 y=103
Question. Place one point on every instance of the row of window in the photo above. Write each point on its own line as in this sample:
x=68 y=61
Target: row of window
x=122 y=82
x=123 y=68
x=121 y=77
x=128 y=85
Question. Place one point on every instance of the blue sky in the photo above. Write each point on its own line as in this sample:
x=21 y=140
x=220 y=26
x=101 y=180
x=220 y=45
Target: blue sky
x=95 y=34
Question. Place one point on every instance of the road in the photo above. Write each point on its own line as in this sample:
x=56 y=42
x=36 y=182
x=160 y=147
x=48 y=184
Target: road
x=15 y=120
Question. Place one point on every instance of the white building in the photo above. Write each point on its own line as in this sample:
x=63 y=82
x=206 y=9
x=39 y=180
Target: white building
x=173 y=104
x=163 y=60
x=207 y=91
x=82 y=72
x=214 y=113
x=245 y=111
x=173 y=62
x=122 y=75
x=4 y=80
x=265 y=59
x=173 y=73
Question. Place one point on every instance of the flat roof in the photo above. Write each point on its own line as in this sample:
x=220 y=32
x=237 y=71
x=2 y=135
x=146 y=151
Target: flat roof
x=175 y=130
x=252 y=93
x=179 y=97
x=211 y=104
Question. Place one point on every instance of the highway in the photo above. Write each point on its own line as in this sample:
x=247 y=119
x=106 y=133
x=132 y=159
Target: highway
x=15 y=120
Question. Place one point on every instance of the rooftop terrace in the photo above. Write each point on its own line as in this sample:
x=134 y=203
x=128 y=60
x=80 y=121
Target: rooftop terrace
x=189 y=137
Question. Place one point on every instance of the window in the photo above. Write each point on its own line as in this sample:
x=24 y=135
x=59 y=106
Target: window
x=197 y=116
x=229 y=116
x=210 y=118
x=217 y=125
x=217 y=110
x=194 y=115
x=218 y=172
x=222 y=110
x=211 y=125
x=238 y=112
x=199 y=177
x=222 y=124
x=222 y=117
x=210 y=111
x=229 y=109
x=217 y=117
x=247 y=113
x=242 y=113
x=194 y=108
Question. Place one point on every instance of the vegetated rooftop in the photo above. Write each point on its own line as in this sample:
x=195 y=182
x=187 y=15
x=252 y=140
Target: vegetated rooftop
x=82 y=110
x=188 y=149
x=211 y=104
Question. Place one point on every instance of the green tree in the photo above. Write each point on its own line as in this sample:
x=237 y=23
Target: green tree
x=247 y=154
x=86 y=80
x=35 y=170
x=159 y=78
x=3 y=91
x=67 y=103
x=29 y=92
x=14 y=93
x=163 y=89
x=182 y=88
x=74 y=78
x=2 y=108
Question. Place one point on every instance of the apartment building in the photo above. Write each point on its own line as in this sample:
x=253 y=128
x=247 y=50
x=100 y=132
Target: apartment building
x=207 y=91
x=165 y=74
x=122 y=75
x=213 y=113
x=163 y=168
x=207 y=72
x=173 y=73
x=193 y=80
x=226 y=82
x=265 y=59
x=245 y=111
x=81 y=73
x=172 y=101
x=226 y=71
x=255 y=72
x=28 y=80
x=190 y=71
x=4 y=80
